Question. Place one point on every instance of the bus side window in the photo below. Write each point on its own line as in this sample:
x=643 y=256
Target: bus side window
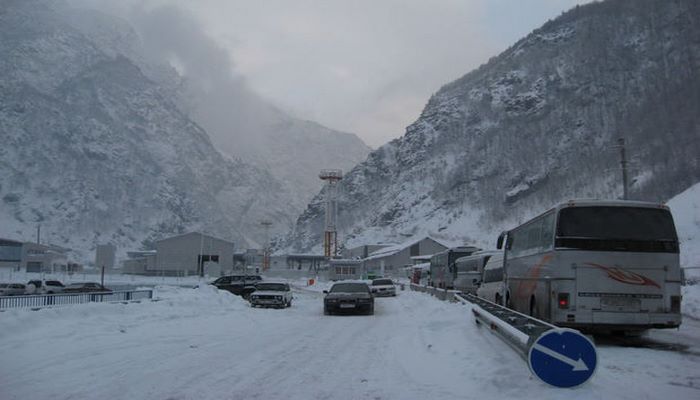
x=547 y=237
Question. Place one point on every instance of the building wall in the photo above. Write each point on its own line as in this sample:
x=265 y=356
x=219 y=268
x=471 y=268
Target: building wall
x=180 y=254
x=41 y=258
x=394 y=263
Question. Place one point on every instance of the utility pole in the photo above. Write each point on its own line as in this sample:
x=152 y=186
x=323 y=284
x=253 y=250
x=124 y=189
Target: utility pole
x=623 y=164
x=38 y=234
x=266 y=246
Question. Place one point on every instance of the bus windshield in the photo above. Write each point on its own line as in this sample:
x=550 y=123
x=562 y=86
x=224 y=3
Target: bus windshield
x=623 y=228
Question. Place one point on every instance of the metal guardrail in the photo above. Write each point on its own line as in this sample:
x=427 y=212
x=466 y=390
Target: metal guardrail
x=63 y=299
x=518 y=330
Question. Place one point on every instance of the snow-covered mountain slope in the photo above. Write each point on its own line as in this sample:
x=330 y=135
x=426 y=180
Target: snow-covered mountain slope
x=537 y=125
x=95 y=151
x=240 y=122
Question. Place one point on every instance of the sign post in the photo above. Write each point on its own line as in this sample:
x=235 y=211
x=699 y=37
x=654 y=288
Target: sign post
x=563 y=358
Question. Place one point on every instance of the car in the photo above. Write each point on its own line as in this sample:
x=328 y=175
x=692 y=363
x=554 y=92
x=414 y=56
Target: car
x=348 y=297
x=37 y=286
x=85 y=287
x=271 y=294
x=383 y=287
x=12 y=289
x=241 y=285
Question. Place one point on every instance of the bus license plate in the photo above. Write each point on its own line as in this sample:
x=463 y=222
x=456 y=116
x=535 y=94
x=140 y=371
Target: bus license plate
x=619 y=302
x=347 y=305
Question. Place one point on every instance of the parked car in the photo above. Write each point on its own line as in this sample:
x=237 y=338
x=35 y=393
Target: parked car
x=12 y=289
x=37 y=286
x=348 y=297
x=241 y=285
x=271 y=294
x=85 y=287
x=383 y=287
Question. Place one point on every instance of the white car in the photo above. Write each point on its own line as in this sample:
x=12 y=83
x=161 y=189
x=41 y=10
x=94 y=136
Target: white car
x=12 y=289
x=383 y=287
x=44 y=287
x=271 y=294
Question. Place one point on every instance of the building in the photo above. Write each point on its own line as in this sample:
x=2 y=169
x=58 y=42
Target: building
x=364 y=251
x=34 y=257
x=192 y=253
x=390 y=261
x=140 y=263
x=105 y=256
x=339 y=269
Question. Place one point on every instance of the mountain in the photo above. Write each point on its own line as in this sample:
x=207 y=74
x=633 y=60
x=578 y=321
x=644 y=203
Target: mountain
x=240 y=122
x=534 y=126
x=96 y=151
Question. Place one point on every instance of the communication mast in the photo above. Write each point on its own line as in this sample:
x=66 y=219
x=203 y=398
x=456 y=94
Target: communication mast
x=330 y=235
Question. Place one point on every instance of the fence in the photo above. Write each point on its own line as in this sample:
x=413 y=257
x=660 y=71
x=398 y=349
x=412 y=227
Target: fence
x=50 y=300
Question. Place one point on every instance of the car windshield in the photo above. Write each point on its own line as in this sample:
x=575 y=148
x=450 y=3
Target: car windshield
x=271 y=287
x=349 y=288
x=379 y=282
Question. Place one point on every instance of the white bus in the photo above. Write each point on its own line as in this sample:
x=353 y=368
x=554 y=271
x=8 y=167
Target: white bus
x=469 y=271
x=598 y=266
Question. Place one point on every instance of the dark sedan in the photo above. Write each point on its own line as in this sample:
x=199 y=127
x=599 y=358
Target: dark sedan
x=241 y=285
x=85 y=287
x=353 y=297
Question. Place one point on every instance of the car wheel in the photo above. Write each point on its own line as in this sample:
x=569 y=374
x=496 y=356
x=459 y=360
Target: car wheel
x=326 y=311
x=289 y=303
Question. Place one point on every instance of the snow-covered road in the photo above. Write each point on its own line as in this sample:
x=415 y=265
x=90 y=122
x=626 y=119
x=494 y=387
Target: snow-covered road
x=205 y=344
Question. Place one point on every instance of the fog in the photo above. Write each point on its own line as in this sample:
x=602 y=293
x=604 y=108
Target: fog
x=366 y=67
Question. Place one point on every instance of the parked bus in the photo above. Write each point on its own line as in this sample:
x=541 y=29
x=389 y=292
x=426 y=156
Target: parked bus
x=442 y=271
x=469 y=271
x=596 y=266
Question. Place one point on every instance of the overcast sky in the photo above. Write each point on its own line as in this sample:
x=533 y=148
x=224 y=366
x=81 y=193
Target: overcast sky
x=363 y=66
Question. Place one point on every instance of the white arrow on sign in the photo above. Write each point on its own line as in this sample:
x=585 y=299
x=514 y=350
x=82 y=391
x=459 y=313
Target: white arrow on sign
x=578 y=365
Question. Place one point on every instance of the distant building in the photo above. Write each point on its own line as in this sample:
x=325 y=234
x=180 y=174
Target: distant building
x=364 y=251
x=105 y=256
x=339 y=269
x=390 y=261
x=192 y=253
x=34 y=257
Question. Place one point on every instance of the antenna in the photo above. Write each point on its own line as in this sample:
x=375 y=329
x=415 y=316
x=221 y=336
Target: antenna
x=330 y=235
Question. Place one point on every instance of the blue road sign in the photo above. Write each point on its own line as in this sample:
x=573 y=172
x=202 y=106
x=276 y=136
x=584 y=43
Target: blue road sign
x=563 y=358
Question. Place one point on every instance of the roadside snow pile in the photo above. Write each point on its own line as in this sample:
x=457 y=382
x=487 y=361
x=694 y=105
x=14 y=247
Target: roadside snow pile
x=691 y=301
x=686 y=215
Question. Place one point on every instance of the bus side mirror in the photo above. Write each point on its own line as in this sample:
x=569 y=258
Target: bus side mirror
x=499 y=241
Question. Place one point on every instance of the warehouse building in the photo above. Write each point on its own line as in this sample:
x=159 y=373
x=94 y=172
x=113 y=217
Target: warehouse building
x=192 y=253
x=390 y=261
x=34 y=257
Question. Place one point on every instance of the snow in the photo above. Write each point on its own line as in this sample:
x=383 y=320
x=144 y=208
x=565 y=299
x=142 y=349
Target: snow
x=208 y=344
x=685 y=208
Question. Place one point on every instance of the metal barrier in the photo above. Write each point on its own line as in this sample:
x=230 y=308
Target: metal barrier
x=518 y=330
x=63 y=299
x=442 y=294
x=560 y=357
